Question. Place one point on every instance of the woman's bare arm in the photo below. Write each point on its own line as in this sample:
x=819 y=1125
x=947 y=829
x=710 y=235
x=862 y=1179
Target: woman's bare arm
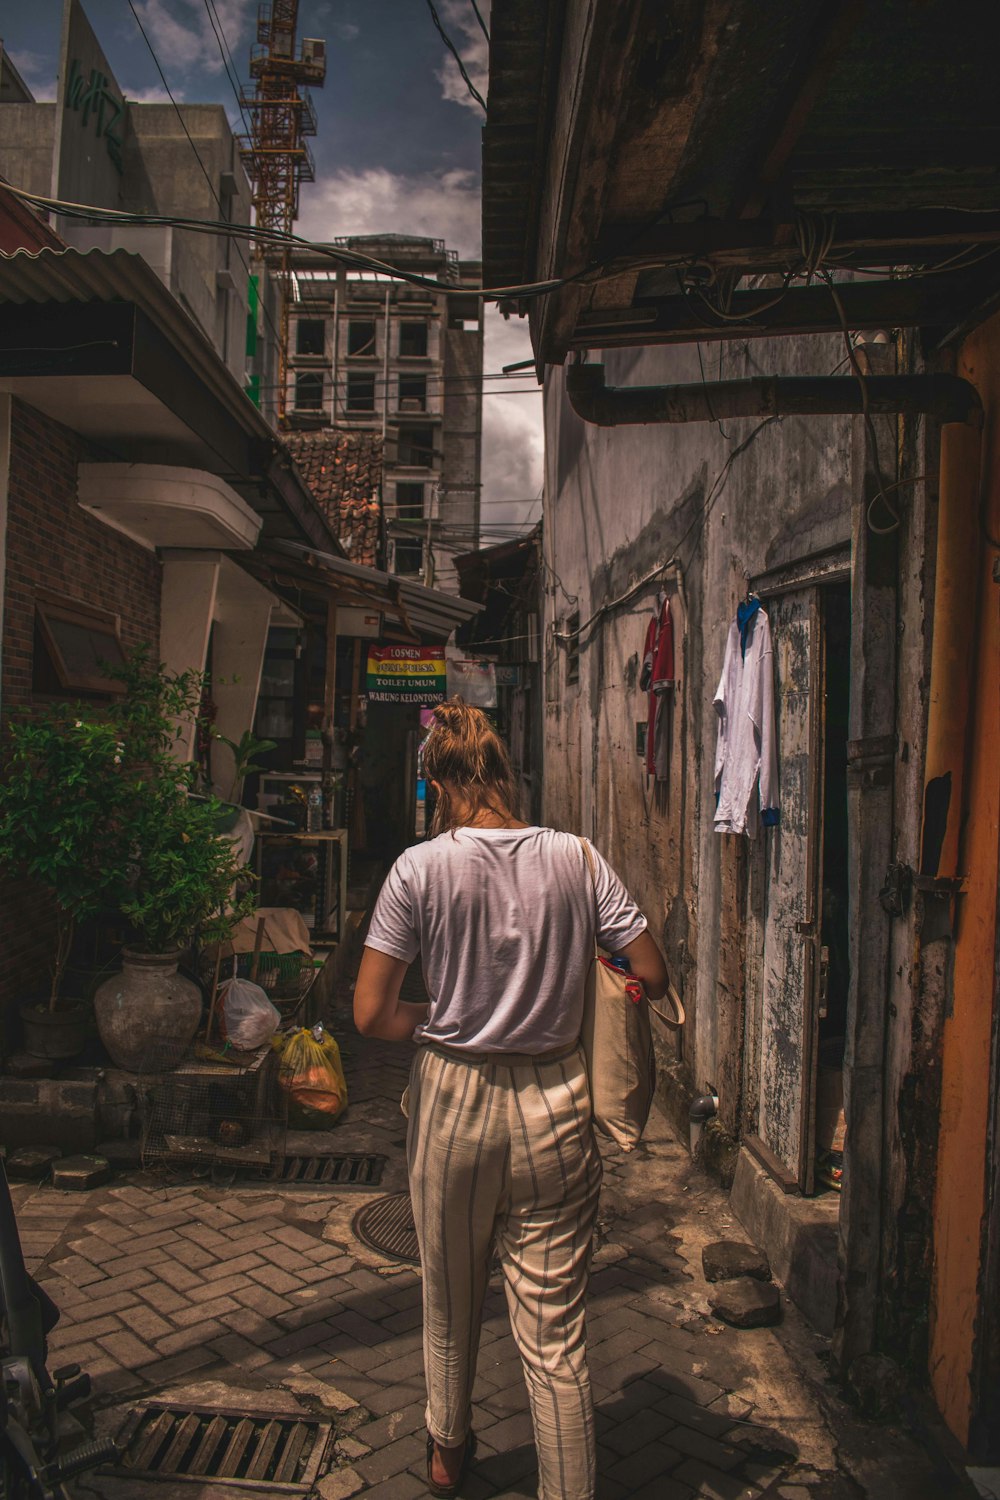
x=647 y=963
x=378 y=1010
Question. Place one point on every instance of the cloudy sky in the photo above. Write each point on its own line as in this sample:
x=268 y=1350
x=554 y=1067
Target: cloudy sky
x=398 y=146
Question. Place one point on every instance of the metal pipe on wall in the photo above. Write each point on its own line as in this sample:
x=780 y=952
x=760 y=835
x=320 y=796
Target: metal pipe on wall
x=947 y=397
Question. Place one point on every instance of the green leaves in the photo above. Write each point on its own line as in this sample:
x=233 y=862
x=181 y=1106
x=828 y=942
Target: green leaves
x=95 y=807
x=244 y=752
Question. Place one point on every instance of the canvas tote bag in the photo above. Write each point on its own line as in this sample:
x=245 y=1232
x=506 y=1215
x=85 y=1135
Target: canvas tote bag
x=618 y=1044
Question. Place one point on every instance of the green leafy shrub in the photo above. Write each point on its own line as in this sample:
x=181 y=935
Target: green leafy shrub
x=95 y=807
x=64 y=802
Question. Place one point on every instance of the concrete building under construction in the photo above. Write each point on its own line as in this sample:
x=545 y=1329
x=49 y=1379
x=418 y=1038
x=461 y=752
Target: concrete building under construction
x=375 y=355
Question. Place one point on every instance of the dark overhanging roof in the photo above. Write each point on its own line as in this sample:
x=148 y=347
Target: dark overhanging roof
x=523 y=48
x=709 y=137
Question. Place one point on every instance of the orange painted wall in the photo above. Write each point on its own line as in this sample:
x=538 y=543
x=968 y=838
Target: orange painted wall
x=960 y=1194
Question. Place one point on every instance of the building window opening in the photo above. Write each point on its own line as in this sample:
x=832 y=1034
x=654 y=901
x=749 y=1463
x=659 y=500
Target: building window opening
x=361 y=337
x=76 y=648
x=409 y=555
x=413 y=392
x=412 y=340
x=416 y=447
x=308 y=392
x=573 y=647
x=361 y=393
x=310 y=336
x=463 y=314
x=410 y=502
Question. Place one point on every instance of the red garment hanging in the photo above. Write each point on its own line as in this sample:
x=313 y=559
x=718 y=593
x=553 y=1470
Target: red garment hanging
x=658 y=676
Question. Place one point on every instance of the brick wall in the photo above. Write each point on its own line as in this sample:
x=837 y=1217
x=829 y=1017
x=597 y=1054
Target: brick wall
x=53 y=544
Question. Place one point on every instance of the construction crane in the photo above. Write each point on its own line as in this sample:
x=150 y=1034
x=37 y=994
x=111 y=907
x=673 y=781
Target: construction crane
x=281 y=116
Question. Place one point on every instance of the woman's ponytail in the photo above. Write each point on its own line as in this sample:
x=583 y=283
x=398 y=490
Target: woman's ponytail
x=464 y=751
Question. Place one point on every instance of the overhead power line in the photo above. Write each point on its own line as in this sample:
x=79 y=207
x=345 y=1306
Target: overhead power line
x=190 y=139
x=479 y=18
x=215 y=21
x=597 y=271
x=457 y=56
x=277 y=239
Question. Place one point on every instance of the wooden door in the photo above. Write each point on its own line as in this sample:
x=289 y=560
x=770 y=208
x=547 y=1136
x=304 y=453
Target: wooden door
x=789 y=969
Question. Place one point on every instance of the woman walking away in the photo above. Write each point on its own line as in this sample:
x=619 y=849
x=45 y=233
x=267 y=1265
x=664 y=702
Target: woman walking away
x=500 y=1144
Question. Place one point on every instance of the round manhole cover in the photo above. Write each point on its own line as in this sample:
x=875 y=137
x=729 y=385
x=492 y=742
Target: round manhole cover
x=386 y=1225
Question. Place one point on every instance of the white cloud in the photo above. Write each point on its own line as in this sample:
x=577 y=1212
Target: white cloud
x=442 y=205
x=459 y=20
x=513 y=441
x=345 y=31
x=37 y=71
x=182 y=34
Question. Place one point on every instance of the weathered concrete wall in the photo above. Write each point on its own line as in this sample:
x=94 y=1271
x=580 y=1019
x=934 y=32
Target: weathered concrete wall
x=461 y=438
x=619 y=503
x=162 y=176
x=26 y=140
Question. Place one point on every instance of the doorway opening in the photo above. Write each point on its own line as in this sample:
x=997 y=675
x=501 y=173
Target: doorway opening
x=834 y=964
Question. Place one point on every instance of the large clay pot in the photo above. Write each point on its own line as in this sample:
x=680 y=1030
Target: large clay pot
x=148 y=1013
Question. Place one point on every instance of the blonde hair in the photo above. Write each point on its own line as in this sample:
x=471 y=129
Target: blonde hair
x=465 y=752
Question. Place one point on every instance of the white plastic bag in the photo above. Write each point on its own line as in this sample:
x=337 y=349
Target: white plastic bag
x=249 y=1020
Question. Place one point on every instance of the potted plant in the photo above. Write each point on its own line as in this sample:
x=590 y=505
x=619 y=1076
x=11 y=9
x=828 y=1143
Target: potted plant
x=62 y=798
x=180 y=882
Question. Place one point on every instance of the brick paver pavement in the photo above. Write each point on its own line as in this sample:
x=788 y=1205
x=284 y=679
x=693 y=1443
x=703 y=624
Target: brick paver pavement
x=248 y=1295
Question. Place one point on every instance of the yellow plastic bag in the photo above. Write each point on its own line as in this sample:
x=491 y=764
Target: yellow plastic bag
x=312 y=1075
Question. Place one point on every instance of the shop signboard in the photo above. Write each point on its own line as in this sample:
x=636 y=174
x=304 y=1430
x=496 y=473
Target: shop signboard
x=406 y=674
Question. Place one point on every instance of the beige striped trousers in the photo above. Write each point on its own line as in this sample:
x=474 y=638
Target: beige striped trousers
x=502 y=1157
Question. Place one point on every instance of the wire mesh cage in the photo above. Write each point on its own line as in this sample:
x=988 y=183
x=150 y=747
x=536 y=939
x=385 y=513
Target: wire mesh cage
x=221 y=1110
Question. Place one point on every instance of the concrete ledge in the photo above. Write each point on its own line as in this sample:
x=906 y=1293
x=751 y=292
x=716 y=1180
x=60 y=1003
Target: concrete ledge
x=798 y=1235
x=48 y=1112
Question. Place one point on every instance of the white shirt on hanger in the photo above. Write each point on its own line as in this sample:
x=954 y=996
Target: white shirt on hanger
x=746 y=753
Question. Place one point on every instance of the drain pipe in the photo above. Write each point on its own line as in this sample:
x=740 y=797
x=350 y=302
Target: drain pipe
x=949 y=398
x=703 y=1108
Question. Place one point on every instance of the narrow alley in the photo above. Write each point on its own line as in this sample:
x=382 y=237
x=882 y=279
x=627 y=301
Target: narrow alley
x=500 y=607
x=262 y=1299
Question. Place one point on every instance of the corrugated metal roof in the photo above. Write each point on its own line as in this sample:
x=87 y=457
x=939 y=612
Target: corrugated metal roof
x=123 y=276
x=429 y=611
x=73 y=275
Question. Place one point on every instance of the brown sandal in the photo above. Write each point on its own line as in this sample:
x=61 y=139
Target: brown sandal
x=448 y=1491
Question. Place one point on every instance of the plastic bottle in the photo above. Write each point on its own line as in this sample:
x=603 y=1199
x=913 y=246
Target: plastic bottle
x=621 y=962
x=314 y=809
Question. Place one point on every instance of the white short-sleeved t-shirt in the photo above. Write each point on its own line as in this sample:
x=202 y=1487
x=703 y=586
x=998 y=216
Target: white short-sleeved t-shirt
x=505 y=921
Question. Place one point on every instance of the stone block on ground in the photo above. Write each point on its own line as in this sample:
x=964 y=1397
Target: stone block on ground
x=340 y=1484
x=32 y=1163
x=80 y=1173
x=746 y=1303
x=726 y=1260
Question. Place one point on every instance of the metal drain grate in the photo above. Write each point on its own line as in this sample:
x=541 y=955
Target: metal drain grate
x=265 y=1450
x=331 y=1171
x=386 y=1225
